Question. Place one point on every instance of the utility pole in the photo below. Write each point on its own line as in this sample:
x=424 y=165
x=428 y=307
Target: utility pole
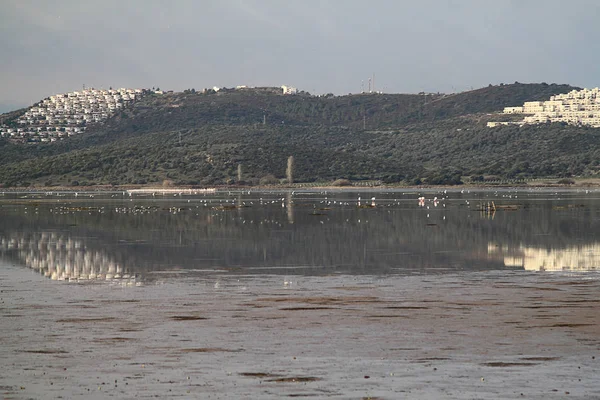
x=374 y=82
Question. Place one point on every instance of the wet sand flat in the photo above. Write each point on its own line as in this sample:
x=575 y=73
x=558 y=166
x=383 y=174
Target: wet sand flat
x=484 y=335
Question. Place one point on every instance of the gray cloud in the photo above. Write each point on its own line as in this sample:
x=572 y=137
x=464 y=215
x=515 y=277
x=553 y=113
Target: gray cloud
x=320 y=46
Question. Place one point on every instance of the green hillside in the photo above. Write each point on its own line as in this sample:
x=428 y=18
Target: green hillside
x=200 y=138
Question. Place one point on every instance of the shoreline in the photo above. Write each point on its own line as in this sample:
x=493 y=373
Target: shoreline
x=144 y=189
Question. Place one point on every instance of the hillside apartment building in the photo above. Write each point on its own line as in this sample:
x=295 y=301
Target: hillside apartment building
x=68 y=114
x=578 y=107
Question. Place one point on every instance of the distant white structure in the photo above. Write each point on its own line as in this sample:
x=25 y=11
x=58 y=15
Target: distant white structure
x=503 y=123
x=289 y=90
x=68 y=114
x=578 y=107
x=513 y=110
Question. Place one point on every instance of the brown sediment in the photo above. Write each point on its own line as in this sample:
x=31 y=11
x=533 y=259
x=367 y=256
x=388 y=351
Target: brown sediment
x=581 y=301
x=322 y=300
x=120 y=301
x=508 y=364
x=535 y=288
x=83 y=320
x=579 y=283
x=210 y=350
x=46 y=351
x=434 y=359
x=306 y=308
x=352 y=288
x=295 y=379
x=259 y=374
x=254 y=305
x=187 y=318
x=552 y=307
x=112 y=339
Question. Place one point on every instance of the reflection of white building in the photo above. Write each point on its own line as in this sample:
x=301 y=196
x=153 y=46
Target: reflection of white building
x=575 y=258
x=60 y=257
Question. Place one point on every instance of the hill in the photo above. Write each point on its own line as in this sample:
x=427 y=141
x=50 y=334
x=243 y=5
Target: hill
x=200 y=138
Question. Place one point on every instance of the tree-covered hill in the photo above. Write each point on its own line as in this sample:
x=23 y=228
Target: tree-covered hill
x=201 y=138
x=485 y=100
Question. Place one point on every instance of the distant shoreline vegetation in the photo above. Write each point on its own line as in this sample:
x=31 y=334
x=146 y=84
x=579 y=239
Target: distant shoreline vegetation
x=333 y=185
x=248 y=137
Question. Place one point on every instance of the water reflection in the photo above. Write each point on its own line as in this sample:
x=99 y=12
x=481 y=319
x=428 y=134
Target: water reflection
x=135 y=238
x=574 y=258
x=290 y=208
x=60 y=257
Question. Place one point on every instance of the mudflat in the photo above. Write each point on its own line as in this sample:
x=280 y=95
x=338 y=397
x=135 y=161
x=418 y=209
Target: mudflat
x=484 y=335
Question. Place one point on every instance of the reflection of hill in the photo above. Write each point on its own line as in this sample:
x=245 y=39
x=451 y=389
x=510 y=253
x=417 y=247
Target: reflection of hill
x=249 y=240
x=293 y=240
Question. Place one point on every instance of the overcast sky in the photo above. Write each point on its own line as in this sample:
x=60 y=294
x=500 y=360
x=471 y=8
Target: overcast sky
x=49 y=47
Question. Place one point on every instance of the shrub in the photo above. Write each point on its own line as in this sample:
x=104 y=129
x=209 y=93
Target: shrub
x=566 y=181
x=269 y=180
x=341 y=182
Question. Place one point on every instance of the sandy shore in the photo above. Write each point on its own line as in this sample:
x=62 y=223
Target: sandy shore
x=493 y=335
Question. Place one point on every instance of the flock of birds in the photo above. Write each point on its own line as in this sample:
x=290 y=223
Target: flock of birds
x=229 y=200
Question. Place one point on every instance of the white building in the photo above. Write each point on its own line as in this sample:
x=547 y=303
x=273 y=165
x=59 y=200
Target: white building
x=578 y=107
x=70 y=110
x=289 y=90
x=513 y=110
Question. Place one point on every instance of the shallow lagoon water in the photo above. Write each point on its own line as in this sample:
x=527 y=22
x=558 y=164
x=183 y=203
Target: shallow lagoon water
x=300 y=294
